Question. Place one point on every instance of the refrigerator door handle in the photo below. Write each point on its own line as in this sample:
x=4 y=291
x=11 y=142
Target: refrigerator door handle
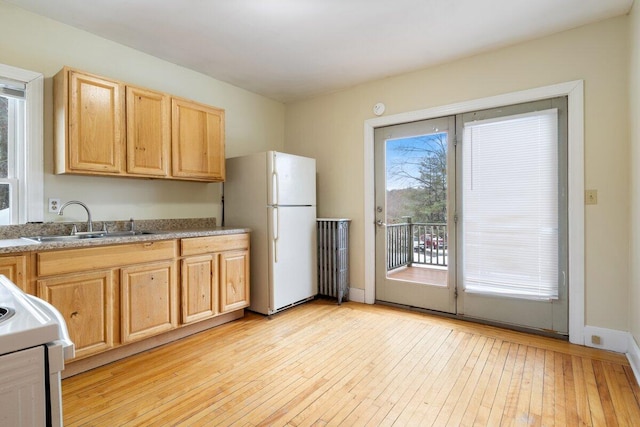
x=274 y=188
x=276 y=223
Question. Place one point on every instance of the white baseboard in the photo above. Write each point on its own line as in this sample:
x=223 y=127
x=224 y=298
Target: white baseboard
x=610 y=339
x=618 y=341
x=633 y=354
x=356 y=295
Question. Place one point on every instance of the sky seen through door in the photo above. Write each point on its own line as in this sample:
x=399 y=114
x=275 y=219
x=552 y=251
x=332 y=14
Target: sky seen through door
x=416 y=178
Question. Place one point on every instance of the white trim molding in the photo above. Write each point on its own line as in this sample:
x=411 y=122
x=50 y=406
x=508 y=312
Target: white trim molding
x=610 y=339
x=356 y=295
x=618 y=341
x=633 y=355
x=32 y=206
x=574 y=91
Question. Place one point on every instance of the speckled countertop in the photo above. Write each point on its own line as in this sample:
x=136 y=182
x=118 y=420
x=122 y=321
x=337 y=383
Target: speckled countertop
x=165 y=229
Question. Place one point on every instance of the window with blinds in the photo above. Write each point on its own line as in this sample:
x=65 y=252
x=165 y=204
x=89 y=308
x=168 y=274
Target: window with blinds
x=510 y=227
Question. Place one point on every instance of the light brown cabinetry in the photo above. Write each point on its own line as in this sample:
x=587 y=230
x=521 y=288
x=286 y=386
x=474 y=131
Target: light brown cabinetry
x=215 y=275
x=149 y=300
x=86 y=301
x=111 y=295
x=234 y=280
x=107 y=127
x=197 y=141
x=14 y=267
x=148 y=132
x=199 y=283
x=89 y=123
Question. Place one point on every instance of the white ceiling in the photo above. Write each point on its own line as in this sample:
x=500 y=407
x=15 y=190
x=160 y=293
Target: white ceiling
x=293 y=49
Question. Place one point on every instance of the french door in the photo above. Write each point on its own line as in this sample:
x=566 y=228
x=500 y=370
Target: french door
x=415 y=243
x=491 y=245
x=512 y=204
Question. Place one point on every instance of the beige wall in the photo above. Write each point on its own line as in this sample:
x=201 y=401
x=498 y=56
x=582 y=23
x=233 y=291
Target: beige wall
x=330 y=128
x=253 y=123
x=634 y=115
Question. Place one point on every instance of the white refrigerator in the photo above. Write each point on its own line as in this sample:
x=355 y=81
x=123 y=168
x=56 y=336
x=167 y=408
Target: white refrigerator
x=274 y=194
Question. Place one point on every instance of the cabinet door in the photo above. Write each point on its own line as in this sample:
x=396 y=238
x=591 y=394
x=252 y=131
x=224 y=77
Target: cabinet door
x=199 y=288
x=96 y=126
x=86 y=301
x=148 y=300
x=148 y=132
x=15 y=269
x=197 y=141
x=234 y=280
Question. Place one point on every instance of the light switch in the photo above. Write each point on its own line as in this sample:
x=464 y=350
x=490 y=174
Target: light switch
x=591 y=197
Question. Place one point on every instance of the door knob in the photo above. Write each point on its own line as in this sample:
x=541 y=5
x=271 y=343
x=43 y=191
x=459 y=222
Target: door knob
x=379 y=223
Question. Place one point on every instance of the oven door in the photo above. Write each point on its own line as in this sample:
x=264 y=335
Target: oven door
x=23 y=394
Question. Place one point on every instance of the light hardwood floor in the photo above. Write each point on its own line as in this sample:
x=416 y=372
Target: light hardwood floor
x=355 y=364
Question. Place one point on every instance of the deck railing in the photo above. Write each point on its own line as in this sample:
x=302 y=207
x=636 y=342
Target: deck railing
x=416 y=243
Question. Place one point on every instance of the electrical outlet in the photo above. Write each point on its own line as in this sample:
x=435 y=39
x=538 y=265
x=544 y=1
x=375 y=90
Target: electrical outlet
x=591 y=197
x=54 y=205
x=596 y=340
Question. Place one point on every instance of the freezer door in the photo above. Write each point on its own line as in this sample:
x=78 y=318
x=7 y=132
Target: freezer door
x=291 y=180
x=292 y=255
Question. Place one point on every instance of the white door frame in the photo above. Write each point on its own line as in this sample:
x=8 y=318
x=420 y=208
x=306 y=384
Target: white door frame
x=574 y=90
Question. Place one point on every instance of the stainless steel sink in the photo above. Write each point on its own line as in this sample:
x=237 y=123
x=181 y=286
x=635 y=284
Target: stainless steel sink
x=85 y=235
x=64 y=238
x=127 y=233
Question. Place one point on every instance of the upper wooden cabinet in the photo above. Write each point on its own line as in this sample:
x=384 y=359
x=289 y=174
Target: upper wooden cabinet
x=197 y=141
x=148 y=132
x=107 y=127
x=90 y=131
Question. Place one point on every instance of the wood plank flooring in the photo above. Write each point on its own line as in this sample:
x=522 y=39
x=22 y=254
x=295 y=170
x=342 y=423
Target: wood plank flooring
x=357 y=365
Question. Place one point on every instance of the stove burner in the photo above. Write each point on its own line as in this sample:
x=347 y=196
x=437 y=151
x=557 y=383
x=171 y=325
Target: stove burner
x=5 y=313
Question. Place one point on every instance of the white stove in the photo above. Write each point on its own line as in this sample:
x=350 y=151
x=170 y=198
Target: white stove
x=34 y=343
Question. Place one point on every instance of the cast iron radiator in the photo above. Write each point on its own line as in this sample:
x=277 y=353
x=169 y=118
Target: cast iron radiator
x=333 y=258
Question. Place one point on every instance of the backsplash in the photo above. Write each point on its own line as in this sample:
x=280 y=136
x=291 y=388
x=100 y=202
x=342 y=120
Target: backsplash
x=61 y=228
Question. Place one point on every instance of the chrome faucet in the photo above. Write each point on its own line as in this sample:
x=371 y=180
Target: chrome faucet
x=75 y=202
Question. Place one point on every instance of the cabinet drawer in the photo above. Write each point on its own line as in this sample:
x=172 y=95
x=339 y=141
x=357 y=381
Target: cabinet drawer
x=210 y=244
x=86 y=259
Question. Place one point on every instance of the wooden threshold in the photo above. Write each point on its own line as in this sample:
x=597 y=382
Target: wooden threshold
x=356 y=365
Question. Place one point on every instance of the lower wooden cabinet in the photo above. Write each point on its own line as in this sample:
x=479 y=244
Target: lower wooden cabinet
x=111 y=295
x=199 y=288
x=115 y=295
x=15 y=269
x=148 y=300
x=86 y=301
x=234 y=280
x=215 y=276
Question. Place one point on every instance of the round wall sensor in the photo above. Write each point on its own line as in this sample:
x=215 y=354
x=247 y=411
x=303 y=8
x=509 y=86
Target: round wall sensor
x=378 y=109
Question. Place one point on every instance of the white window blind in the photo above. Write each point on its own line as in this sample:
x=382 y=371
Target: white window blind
x=510 y=206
